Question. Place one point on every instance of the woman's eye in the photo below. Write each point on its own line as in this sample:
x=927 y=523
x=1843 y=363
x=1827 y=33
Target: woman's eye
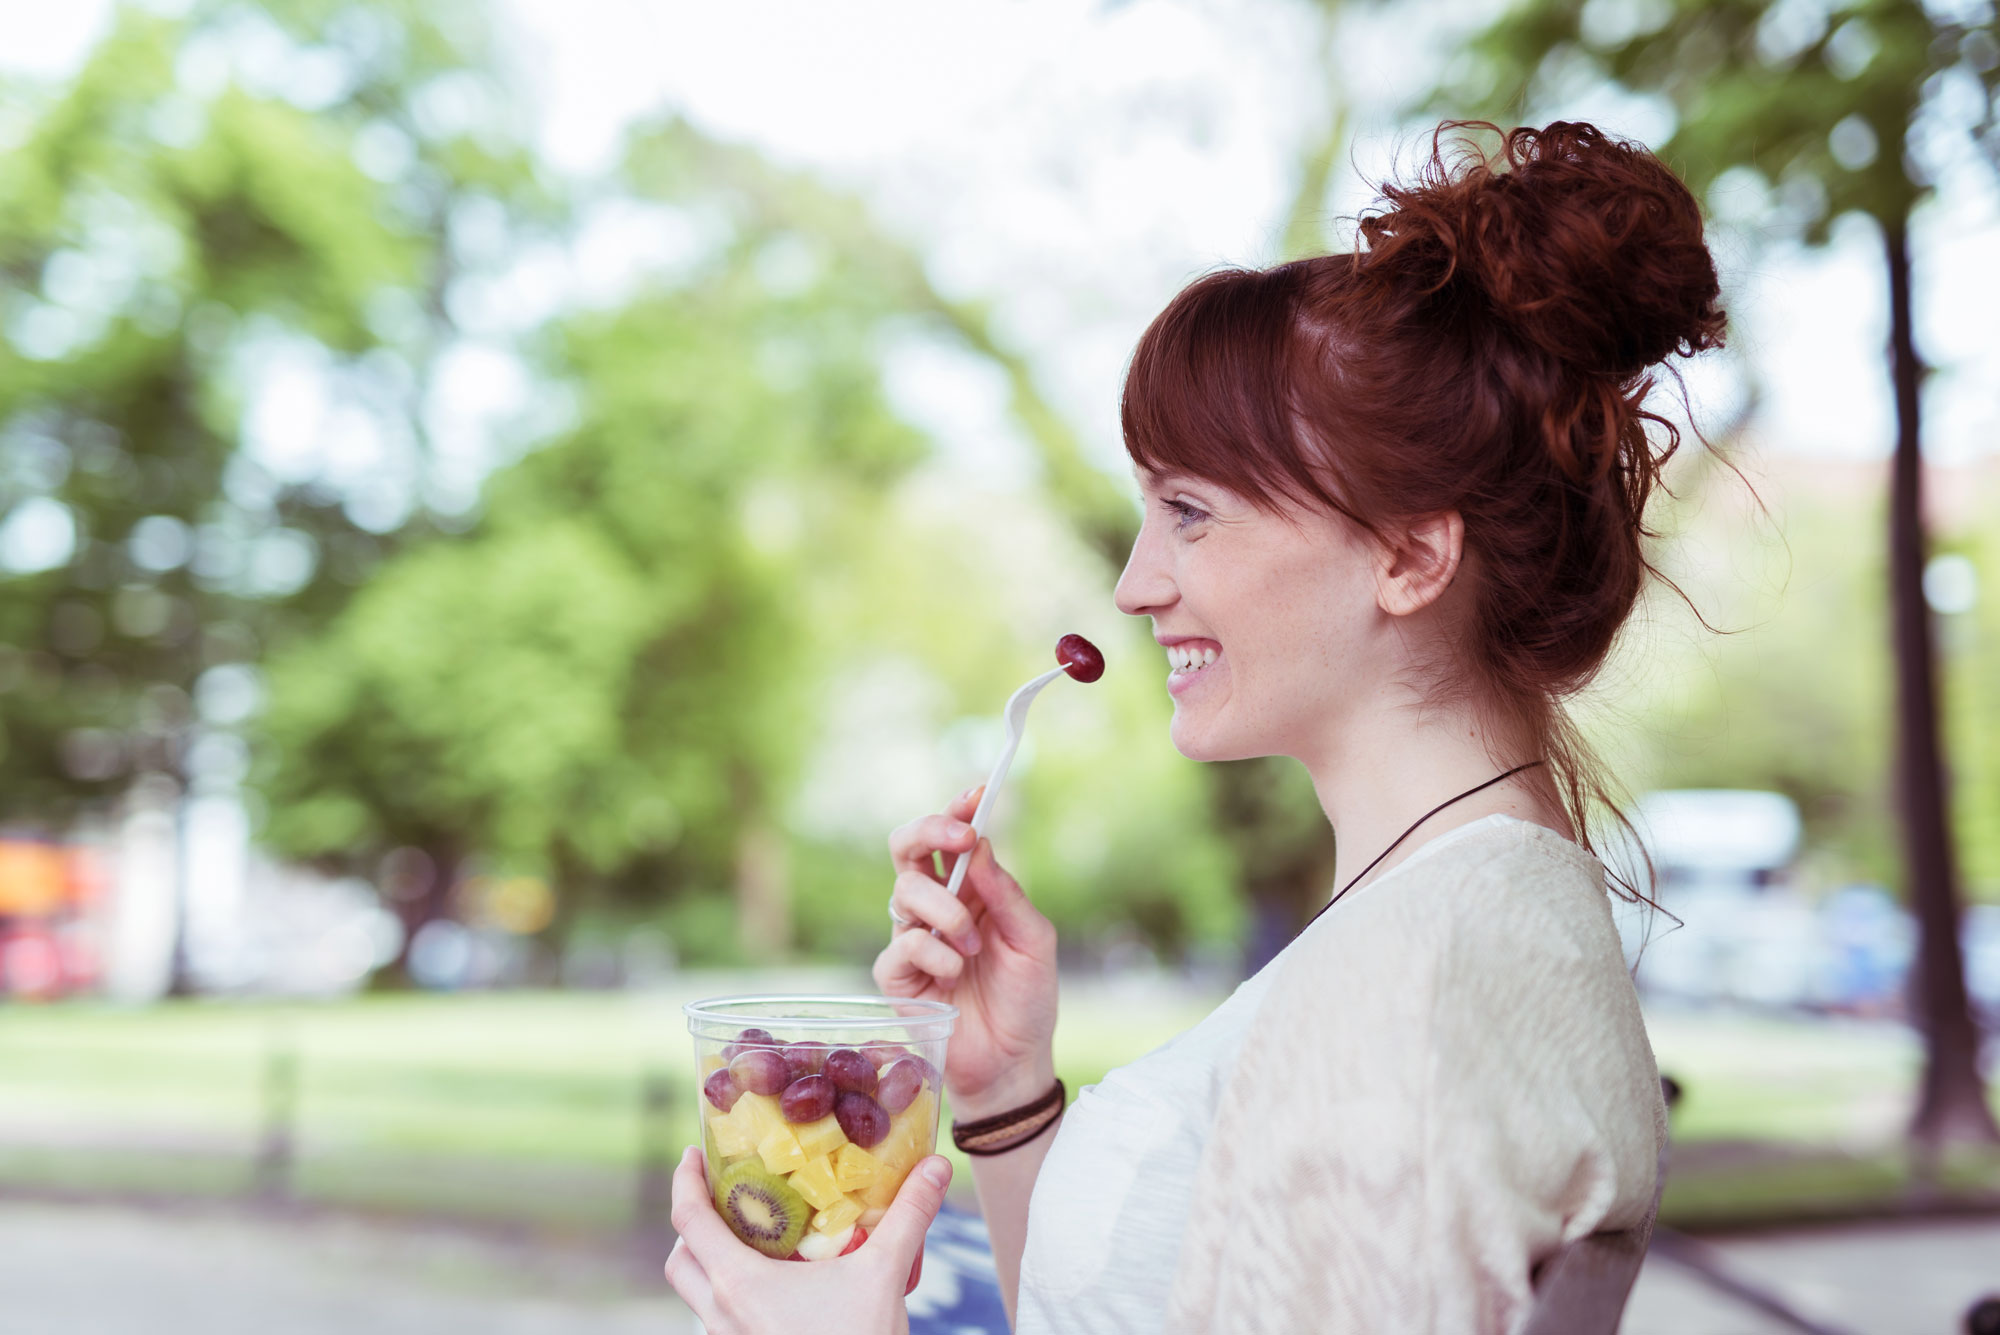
x=1184 y=514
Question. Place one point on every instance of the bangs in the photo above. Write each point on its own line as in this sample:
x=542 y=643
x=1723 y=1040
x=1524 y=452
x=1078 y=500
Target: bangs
x=1212 y=389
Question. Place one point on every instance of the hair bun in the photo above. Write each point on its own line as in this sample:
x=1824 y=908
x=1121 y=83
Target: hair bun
x=1588 y=246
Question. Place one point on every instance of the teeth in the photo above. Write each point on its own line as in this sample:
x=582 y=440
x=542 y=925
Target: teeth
x=1187 y=658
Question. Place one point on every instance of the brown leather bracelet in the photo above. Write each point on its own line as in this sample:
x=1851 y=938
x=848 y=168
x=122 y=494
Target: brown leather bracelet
x=1015 y=1127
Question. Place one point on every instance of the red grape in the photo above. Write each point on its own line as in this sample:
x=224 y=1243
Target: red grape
x=860 y=1236
x=805 y=1058
x=861 y=1119
x=760 y=1070
x=850 y=1070
x=882 y=1054
x=900 y=1084
x=721 y=1088
x=807 y=1099
x=748 y=1038
x=1080 y=658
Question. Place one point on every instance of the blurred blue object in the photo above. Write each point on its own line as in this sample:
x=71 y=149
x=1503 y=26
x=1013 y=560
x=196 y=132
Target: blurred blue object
x=1980 y=933
x=959 y=1293
x=1871 y=943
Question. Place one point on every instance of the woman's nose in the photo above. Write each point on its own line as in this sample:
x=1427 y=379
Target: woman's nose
x=1145 y=586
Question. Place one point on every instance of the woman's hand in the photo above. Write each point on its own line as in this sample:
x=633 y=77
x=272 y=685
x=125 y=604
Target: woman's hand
x=993 y=956
x=737 y=1290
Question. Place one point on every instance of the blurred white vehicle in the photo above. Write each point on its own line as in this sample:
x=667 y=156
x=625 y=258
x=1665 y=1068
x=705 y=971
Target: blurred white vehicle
x=1718 y=863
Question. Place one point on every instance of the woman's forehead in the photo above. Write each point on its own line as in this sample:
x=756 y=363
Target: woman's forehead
x=1148 y=478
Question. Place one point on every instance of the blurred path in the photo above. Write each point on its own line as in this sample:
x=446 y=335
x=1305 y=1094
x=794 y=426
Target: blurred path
x=120 y=1270
x=1904 y=1278
x=123 y=1270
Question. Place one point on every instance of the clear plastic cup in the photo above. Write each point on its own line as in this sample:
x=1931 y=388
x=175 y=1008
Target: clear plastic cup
x=814 y=1110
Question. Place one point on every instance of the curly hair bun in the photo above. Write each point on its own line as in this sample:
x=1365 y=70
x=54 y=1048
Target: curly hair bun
x=1587 y=246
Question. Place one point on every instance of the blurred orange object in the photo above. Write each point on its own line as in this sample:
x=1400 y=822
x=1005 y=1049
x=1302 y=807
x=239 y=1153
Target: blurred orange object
x=34 y=879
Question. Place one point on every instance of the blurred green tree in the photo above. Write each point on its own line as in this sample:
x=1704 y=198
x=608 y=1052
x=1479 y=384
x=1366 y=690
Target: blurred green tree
x=211 y=201
x=606 y=682
x=1850 y=108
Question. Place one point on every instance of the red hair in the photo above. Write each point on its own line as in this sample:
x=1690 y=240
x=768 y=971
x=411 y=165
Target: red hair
x=1486 y=349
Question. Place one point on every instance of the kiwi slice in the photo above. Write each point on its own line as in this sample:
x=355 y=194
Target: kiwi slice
x=762 y=1208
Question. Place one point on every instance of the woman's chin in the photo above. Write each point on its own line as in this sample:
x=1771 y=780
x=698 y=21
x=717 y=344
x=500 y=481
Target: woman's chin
x=1205 y=744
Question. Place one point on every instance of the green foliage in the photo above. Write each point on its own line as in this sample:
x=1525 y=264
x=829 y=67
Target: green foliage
x=608 y=680
x=1816 y=99
x=157 y=238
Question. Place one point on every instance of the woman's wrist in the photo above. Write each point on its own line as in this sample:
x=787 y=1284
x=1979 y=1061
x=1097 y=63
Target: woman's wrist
x=1014 y=1088
x=1008 y=1131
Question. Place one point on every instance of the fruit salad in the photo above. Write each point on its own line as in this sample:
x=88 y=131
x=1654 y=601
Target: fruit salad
x=807 y=1141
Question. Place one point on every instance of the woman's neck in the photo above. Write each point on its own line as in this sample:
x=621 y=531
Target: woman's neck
x=1394 y=762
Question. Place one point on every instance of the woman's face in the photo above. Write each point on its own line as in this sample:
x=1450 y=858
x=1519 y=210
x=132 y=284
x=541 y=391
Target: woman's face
x=1270 y=620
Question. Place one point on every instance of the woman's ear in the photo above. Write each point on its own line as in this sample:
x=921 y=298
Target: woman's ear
x=1418 y=562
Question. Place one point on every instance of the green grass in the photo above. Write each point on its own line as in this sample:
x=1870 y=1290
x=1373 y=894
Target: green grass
x=515 y=1106
x=527 y=1107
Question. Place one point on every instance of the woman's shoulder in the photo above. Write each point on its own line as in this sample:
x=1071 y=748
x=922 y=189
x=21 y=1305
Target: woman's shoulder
x=1501 y=879
x=1511 y=914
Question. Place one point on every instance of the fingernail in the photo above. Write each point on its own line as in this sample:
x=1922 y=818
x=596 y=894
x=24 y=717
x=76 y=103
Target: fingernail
x=972 y=943
x=966 y=796
x=958 y=829
x=938 y=1173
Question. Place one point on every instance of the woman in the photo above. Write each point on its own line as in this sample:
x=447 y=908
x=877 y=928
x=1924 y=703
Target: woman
x=1394 y=517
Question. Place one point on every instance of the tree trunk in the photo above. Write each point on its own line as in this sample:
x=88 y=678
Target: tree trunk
x=763 y=893
x=417 y=904
x=1951 y=1105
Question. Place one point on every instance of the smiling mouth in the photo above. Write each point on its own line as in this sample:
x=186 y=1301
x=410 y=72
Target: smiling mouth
x=1188 y=659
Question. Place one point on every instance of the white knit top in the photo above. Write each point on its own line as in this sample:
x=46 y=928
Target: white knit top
x=1323 y=1153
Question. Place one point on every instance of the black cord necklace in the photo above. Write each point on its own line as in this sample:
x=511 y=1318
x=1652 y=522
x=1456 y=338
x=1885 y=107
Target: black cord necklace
x=1412 y=830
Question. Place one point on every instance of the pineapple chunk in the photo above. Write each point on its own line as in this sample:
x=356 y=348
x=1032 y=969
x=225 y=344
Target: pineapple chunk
x=759 y=1114
x=729 y=1137
x=921 y=1117
x=815 y=1183
x=854 y=1167
x=711 y=1064
x=821 y=1137
x=836 y=1216
x=878 y=1195
x=910 y=1135
x=780 y=1151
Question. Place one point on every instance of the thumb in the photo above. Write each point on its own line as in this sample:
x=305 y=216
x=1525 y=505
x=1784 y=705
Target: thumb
x=901 y=1233
x=966 y=804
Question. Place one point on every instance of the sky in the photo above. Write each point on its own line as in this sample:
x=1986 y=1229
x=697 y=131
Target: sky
x=1074 y=162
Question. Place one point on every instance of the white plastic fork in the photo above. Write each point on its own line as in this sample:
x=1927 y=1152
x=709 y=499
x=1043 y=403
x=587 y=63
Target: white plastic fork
x=1017 y=722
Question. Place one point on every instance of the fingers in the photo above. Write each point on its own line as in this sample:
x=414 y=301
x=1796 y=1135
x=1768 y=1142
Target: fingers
x=914 y=961
x=694 y=1216
x=911 y=845
x=1008 y=909
x=690 y=1281
x=928 y=904
x=901 y=1232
